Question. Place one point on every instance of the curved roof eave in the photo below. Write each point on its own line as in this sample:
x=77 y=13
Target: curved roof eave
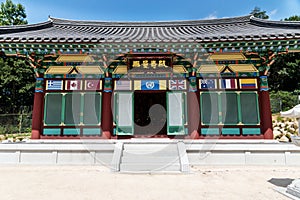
x=245 y=28
x=271 y=23
x=26 y=27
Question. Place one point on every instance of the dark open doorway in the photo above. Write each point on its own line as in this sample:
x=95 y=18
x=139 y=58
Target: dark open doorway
x=150 y=113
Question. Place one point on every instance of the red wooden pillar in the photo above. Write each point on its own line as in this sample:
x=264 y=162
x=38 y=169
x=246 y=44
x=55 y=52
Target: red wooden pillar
x=106 y=115
x=193 y=108
x=38 y=107
x=193 y=114
x=265 y=109
x=266 y=115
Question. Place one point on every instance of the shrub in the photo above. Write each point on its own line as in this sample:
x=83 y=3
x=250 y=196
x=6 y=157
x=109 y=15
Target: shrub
x=282 y=101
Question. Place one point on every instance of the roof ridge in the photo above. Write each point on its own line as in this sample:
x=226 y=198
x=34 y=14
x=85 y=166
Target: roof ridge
x=58 y=21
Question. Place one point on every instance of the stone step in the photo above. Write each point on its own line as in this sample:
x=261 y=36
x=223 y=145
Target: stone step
x=150 y=147
x=150 y=153
x=149 y=159
x=129 y=167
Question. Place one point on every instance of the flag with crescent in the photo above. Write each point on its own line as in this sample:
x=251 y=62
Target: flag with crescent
x=93 y=84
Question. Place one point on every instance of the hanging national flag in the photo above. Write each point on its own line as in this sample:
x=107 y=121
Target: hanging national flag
x=150 y=85
x=207 y=83
x=228 y=83
x=54 y=85
x=123 y=85
x=177 y=84
x=93 y=84
x=73 y=85
x=250 y=83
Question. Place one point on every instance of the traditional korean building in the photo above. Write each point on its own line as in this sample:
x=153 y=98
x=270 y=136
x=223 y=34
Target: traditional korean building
x=177 y=79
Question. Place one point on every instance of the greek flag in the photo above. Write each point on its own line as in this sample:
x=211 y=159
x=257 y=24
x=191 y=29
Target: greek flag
x=54 y=85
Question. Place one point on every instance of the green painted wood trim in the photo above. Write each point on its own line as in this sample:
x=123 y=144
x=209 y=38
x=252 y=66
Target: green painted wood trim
x=129 y=130
x=201 y=106
x=257 y=106
x=220 y=107
x=262 y=46
x=239 y=107
x=64 y=113
x=45 y=106
x=71 y=131
x=63 y=107
x=51 y=131
x=175 y=130
x=251 y=131
x=115 y=113
x=230 y=131
x=91 y=131
x=81 y=108
x=100 y=107
x=184 y=97
x=210 y=131
x=83 y=111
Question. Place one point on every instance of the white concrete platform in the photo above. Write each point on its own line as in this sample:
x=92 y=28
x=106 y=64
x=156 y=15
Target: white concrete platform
x=199 y=152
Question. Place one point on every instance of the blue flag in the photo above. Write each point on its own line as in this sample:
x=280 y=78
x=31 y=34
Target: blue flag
x=208 y=84
x=150 y=85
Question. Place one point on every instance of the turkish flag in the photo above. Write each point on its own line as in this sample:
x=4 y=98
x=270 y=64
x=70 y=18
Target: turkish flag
x=93 y=84
x=73 y=85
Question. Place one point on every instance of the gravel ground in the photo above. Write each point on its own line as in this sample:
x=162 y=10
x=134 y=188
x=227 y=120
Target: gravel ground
x=96 y=182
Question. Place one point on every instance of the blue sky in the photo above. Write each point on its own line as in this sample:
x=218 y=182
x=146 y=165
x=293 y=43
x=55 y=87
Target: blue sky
x=153 y=10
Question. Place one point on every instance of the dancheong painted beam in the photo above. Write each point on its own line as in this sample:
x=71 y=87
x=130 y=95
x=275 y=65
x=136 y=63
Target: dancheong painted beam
x=178 y=79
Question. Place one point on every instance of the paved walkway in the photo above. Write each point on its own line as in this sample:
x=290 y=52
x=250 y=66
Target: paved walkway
x=89 y=183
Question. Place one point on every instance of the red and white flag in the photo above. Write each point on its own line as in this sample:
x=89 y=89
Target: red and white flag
x=123 y=85
x=228 y=83
x=73 y=85
x=93 y=84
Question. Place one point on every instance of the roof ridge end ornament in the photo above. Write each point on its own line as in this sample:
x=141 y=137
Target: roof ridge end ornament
x=50 y=18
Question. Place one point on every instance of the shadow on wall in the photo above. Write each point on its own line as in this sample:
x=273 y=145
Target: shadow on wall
x=281 y=182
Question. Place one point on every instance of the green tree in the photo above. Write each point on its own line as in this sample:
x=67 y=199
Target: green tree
x=12 y=14
x=293 y=18
x=285 y=71
x=282 y=100
x=16 y=84
x=16 y=75
x=257 y=12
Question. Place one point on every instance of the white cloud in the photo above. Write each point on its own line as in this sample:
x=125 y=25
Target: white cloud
x=212 y=16
x=273 y=12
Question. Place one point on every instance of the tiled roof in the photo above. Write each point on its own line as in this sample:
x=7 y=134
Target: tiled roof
x=245 y=28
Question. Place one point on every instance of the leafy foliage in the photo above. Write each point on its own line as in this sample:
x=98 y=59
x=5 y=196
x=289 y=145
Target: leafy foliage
x=293 y=18
x=282 y=100
x=12 y=14
x=285 y=73
x=257 y=12
x=16 y=76
x=16 y=85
